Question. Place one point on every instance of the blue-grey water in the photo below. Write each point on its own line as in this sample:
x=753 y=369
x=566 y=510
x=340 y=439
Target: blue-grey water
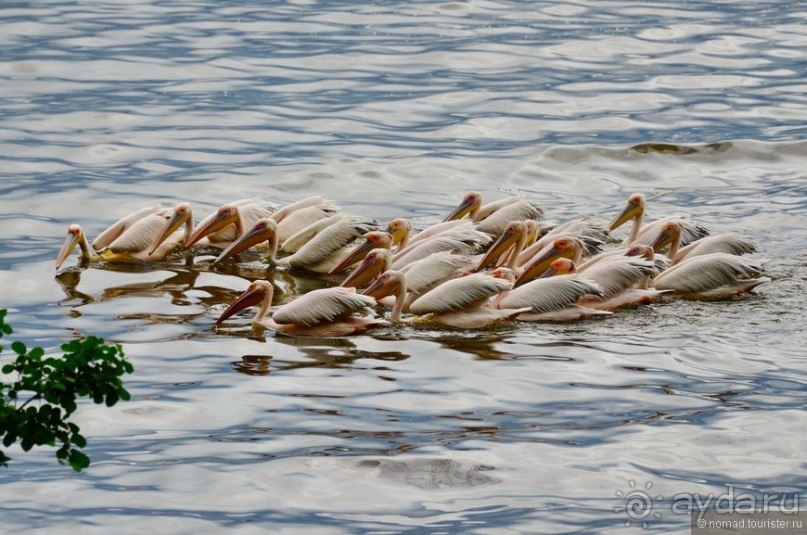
x=396 y=110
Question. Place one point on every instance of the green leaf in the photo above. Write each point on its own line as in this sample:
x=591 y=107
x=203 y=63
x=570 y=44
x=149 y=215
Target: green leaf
x=18 y=348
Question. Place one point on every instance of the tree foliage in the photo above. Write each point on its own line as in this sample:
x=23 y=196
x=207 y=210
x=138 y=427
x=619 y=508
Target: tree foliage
x=36 y=407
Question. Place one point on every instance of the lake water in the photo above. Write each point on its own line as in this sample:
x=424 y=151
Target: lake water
x=396 y=110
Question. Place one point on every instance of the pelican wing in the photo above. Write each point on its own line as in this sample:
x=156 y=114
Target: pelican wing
x=294 y=242
x=709 y=272
x=730 y=243
x=463 y=241
x=322 y=306
x=553 y=293
x=464 y=293
x=424 y=274
x=141 y=234
x=109 y=235
x=619 y=273
x=439 y=228
x=518 y=210
x=332 y=239
x=299 y=219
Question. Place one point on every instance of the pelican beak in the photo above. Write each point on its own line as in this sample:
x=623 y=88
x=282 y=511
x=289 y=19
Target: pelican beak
x=507 y=240
x=67 y=247
x=176 y=221
x=662 y=240
x=249 y=298
x=631 y=211
x=221 y=220
x=465 y=207
x=378 y=290
x=548 y=273
x=539 y=265
x=369 y=269
x=255 y=235
x=354 y=256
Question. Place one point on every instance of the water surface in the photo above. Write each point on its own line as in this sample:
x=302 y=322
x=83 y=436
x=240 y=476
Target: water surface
x=397 y=110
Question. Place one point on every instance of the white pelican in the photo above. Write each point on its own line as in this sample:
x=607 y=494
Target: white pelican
x=127 y=240
x=590 y=235
x=644 y=234
x=570 y=247
x=493 y=217
x=459 y=303
x=320 y=254
x=229 y=222
x=510 y=242
x=323 y=312
x=549 y=299
x=421 y=275
x=374 y=264
x=298 y=215
x=462 y=239
x=220 y=228
x=375 y=239
x=711 y=276
x=623 y=280
x=671 y=234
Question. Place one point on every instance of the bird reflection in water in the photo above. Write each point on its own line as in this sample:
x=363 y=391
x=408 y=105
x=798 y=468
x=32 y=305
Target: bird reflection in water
x=332 y=352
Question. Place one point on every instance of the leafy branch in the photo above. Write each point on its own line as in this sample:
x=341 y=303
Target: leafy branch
x=35 y=409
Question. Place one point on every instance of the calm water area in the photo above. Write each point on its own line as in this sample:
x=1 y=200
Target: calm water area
x=397 y=109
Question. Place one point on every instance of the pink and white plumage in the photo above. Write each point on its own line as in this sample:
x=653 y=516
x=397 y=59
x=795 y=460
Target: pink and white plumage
x=711 y=276
x=335 y=311
x=460 y=303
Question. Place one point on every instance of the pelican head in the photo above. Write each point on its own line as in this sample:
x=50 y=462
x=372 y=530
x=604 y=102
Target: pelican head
x=183 y=215
x=513 y=232
x=375 y=239
x=669 y=233
x=386 y=284
x=399 y=229
x=75 y=236
x=470 y=204
x=566 y=247
x=561 y=266
x=645 y=251
x=264 y=230
x=504 y=273
x=225 y=215
x=634 y=209
x=376 y=262
x=259 y=293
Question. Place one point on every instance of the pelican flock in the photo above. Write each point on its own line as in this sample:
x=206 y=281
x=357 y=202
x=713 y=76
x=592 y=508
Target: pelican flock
x=484 y=265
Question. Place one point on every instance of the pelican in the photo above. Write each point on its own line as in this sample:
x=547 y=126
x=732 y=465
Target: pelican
x=320 y=254
x=127 y=240
x=374 y=264
x=569 y=247
x=672 y=232
x=229 y=222
x=220 y=228
x=323 y=312
x=375 y=239
x=590 y=235
x=296 y=216
x=711 y=276
x=549 y=299
x=463 y=239
x=456 y=303
x=493 y=217
x=421 y=275
x=620 y=277
x=510 y=242
x=645 y=234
